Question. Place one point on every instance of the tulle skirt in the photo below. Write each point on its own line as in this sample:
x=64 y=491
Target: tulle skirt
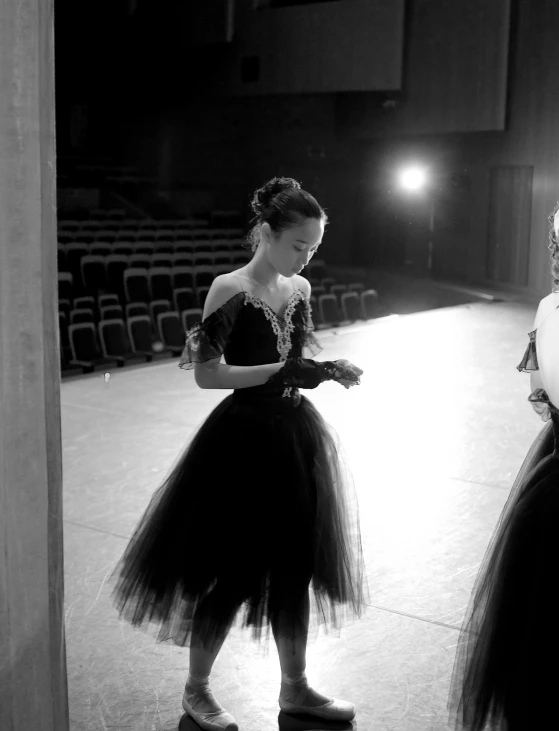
x=258 y=509
x=505 y=670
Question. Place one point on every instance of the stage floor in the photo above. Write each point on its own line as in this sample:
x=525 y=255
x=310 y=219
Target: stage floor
x=434 y=437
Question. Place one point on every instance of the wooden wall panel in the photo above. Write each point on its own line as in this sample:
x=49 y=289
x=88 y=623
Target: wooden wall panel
x=509 y=219
x=531 y=139
x=455 y=73
x=354 y=45
x=456 y=78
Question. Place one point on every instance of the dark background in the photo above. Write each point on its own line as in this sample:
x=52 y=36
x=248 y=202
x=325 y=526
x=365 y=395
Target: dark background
x=212 y=101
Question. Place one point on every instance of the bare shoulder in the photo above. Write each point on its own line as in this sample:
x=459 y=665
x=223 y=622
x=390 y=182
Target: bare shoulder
x=224 y=287
x=302 y=284
x=546 y=307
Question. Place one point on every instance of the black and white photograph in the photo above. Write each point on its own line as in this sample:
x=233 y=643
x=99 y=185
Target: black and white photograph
x=279 y=365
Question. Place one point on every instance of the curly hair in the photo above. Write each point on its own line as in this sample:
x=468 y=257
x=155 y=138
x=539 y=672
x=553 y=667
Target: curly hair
x=553 y=245
x=282 y=203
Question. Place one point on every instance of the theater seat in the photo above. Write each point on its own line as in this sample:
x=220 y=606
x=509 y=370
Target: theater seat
x=191 y=317
x=329 y=310
x=141 y=336
x=136 y=287
x=369 y=303
x=83 y=344
x=351 y=306
x=112 y=336
x=184 y=299
x=171 y=332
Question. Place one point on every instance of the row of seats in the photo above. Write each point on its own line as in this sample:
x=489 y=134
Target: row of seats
x=70 y=258
x=75 y=252
x=139 y=284
x=151 y=246
x=106 y=272
x=99 y=214
x=94 y=272
x=151 y=293
x=117 y=223
x=131 y=288
x=108 y=234
x=87 y=344
x=114 y=338
x=87 y=312
x=75 y=224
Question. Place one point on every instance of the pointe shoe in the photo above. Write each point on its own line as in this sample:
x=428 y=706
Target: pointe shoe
x=334 y=710
x=216 y=721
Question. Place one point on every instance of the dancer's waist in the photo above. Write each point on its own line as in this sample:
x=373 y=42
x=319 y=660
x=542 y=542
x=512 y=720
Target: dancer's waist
x=273 y=396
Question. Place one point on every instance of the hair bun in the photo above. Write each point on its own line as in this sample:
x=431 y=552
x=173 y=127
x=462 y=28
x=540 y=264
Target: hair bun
x=265 y=195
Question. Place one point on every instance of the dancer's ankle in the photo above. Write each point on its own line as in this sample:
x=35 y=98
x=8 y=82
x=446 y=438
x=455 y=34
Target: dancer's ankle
x=294 y=678
x=197 y=682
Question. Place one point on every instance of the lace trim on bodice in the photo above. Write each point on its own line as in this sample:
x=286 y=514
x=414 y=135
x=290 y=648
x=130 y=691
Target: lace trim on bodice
x=282 y=324
x=209 y=339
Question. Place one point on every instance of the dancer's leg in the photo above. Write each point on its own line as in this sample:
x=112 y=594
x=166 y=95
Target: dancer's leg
x=292 y=651
x=202 y=657
x=292 y=648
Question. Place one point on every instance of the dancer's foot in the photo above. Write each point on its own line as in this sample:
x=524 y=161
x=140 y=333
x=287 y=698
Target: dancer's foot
x=296 y=696
x=295 y=689
x=199 y=696
x=199 y=702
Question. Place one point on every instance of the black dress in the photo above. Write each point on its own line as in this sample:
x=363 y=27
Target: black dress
x=258 y=506
x=506 y=671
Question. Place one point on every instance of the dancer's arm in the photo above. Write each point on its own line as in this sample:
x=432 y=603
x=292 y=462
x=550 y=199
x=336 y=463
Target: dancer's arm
x=545 y=308
x=298 y=372
x=535 y=381
x=213 y=373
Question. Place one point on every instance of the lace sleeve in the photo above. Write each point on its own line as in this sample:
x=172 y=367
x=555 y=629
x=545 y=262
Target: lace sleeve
x=310 y=342
x=529 y=360
x=208 y=339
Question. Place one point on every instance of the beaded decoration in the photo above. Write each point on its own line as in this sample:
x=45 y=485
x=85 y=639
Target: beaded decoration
x=283 y=334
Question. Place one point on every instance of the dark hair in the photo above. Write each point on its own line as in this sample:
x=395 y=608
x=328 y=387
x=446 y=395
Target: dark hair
x=553 y=246
x=282 y=203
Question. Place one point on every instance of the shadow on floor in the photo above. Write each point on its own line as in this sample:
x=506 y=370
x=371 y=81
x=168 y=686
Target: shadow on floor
x=286 y=722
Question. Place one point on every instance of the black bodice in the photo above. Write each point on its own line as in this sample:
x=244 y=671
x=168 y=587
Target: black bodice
x=261 y=336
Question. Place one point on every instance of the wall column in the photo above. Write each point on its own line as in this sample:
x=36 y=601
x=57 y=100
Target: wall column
x=33 y=684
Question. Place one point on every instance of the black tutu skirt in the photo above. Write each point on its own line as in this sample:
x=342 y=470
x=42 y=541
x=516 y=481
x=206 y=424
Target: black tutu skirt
x=505 y=671
x=258 y=508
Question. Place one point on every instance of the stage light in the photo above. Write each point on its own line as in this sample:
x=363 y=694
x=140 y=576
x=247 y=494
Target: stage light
x=416 y=179
x=413 y=178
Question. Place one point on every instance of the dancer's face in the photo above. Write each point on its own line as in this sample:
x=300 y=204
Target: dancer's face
x=291 y=250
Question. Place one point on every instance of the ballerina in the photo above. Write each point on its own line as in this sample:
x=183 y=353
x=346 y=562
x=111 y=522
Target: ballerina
x=505 y=670
x=258 y=506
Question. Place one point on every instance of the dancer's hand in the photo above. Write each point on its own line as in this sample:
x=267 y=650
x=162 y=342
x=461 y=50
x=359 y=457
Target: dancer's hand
x=539 y=400
x=541 y=409
x=308 y=373
x=347 y=383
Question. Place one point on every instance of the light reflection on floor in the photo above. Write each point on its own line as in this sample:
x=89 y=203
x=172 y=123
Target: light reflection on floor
x=434 y=437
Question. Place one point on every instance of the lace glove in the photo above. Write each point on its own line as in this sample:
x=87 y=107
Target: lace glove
x=539 y=401
x=307 y=373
